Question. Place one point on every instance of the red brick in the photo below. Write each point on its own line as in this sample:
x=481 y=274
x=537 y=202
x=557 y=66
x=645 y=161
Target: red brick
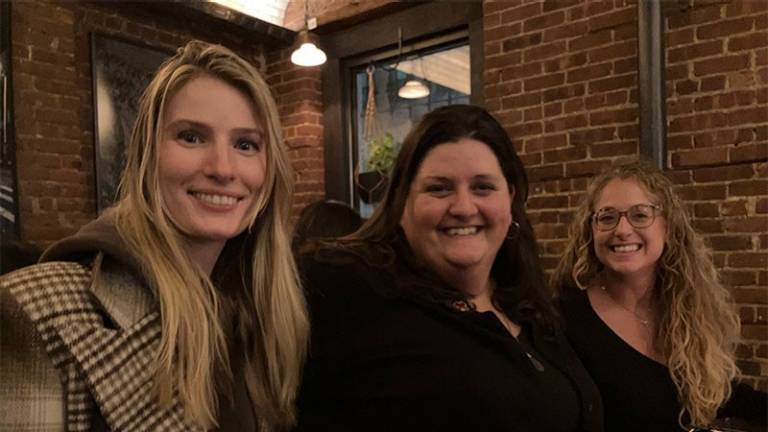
x=564 y=31
x=679 y=37
x=563 y=92
x=712 y=226
x=698 y=192
x=614 y=149
x=520 y=42
x=724 y=28
x=613 y=116
x=553 y=109
x=613 y=19
x=699 y=16
x=734 y=208
x=546 y=142
x=523 y=100
x=740 y=278
x=761 y=207
x=748 y=188
x=702 y=210
x=564 y=155
x=546 y=81
x=519 y=71
x=749 y=41
x=721 y=173
x=555 y=202
x=544 y=51
x=502 y=60
x=576 y=169
x=745 y=8
x=747 y=224
x=565 y=123
x=545 y=172
x=590 y=40
x=702 y=49
x=730 y=243
x=589 y=72
x=749 y=152
x=543 y=21
x=713 y=83
x=721 y=64
x=573 y=105
x=502 y=32
x=521 y=12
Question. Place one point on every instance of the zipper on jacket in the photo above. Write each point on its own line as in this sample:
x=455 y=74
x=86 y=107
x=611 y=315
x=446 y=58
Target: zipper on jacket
x=535 y=362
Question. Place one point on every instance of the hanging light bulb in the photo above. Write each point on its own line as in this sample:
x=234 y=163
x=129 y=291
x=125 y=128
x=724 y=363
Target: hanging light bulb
x=413 y=89
x=307 y=54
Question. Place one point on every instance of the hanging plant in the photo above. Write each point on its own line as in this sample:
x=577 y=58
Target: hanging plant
x=381 y=153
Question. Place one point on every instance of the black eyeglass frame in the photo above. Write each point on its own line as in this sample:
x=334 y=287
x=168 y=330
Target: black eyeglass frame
x=625 y=214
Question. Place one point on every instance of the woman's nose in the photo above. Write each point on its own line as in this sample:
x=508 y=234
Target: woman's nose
x=463 y=203
x=623 y=226
x=219 y=163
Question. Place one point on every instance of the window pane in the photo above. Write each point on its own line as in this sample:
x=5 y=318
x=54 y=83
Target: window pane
x=444 y=73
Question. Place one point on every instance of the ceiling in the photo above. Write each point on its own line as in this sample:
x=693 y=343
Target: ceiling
x=271 y=11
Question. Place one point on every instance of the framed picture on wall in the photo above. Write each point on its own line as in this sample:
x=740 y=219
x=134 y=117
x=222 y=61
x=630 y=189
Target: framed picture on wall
x=121 y=71
x=9 y=212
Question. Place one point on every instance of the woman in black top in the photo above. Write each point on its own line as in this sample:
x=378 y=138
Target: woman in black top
x=434 y=315
x=646 y=312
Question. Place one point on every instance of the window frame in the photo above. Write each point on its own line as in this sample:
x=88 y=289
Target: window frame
x=424 y=27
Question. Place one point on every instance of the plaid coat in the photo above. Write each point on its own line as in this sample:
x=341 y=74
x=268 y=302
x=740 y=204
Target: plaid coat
x=76 y=350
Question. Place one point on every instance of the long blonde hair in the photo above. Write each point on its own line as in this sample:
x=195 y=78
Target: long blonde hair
x=699 y=327
x=271 y=311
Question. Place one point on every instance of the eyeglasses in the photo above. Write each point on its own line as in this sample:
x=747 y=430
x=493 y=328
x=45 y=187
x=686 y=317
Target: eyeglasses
x=639 y=216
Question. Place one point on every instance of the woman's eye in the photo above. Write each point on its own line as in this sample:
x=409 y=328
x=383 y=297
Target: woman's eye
x=436 y=188
x=607 y=217
x=485 y=187
x=190 y=137
x=247 y=145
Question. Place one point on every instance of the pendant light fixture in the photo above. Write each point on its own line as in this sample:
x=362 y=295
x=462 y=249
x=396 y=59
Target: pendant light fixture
x=414 y=88
x=308 y=54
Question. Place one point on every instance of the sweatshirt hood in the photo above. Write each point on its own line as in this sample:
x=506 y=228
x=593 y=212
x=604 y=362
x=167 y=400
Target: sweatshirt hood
x=98 y=236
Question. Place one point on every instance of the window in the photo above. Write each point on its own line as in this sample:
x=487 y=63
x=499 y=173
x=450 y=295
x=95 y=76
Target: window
x=442 y=74
x=432 y=37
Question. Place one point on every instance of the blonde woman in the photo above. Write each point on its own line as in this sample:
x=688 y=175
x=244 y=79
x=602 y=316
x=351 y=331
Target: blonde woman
x=645 y=310
x=179 y=308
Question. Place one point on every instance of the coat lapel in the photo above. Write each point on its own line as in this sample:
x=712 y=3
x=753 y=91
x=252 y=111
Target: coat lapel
x=115 y=359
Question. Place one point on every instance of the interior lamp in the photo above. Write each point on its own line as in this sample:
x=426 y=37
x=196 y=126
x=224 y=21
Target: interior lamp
x=307 y=54
x=413 y=89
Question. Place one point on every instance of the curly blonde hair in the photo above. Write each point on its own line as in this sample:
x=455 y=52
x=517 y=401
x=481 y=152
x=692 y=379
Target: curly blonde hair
x=699 y=327
x=270 y=310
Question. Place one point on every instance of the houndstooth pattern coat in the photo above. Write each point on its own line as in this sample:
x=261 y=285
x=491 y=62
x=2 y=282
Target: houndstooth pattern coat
x=76 y=350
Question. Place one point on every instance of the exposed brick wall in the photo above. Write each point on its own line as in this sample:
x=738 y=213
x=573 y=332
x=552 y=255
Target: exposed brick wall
x=562 y=78
x=717 y=89
x=299 y=99
x=53 y=99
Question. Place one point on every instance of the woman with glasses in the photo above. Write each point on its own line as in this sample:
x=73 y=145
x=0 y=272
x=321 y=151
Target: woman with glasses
x=645 y=310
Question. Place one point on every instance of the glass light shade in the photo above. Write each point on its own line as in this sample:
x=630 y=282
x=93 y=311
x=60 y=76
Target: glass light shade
x=308 y=55
x=413 y=89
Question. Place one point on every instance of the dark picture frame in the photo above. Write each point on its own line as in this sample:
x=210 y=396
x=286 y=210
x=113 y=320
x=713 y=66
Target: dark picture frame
x=121 y=69
x=9 y=195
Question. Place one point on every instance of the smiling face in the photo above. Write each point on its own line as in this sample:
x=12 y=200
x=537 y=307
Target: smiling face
x=211 y=160
x=458 y=209
x=625 y=250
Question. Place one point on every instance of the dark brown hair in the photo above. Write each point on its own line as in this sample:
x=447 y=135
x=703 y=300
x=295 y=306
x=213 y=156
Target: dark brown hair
x=516 y=269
